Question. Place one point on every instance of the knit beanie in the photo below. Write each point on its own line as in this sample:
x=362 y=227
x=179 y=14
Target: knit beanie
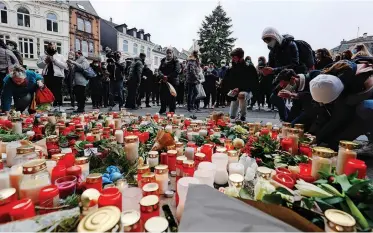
x=326 y=88
x=272 y=33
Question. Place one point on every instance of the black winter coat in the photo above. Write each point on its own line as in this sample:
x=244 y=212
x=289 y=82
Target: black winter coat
x=117 y=70
x=135 y=73
x=170 y=69
x=323 y=63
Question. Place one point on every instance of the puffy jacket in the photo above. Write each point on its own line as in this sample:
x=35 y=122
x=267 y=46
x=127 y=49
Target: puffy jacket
x=171 y=69
x=59 y=65
x=117 y=70
x=192 y=70
x=135 y=73
x=12 y=90
x=80 y=65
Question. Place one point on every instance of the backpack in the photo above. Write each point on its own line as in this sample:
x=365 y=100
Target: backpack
x=89 y=73
x=306 y=55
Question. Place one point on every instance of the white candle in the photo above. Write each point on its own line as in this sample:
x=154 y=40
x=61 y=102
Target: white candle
x=4 y=179
x=17 y=127
x=161 y=176
x=118 y=123
x=221 y=161
x=3 y=147
x=153 y=158
x=343 y=156
x=236 y=168
x=189 y=153
x=203 y=133
x=205 y=177
x=131 y=147
x=190 y=136
x=15 y=176
x=168 y=128
x=50 y=165
x=119 y=136
x=11 y=153
x=82 y=120
x=269 y=125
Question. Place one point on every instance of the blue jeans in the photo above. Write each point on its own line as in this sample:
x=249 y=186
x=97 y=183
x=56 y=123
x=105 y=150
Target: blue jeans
x=192 y=94
x=279 y=103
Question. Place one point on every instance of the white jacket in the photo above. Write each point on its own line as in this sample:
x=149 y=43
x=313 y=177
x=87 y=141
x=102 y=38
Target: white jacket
x=59 y=65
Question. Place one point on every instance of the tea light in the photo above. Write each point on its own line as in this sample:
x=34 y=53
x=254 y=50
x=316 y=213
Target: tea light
x=236 y=168
x=236 y=180
x=131 y=221
x=156 y=224
x=339 y=221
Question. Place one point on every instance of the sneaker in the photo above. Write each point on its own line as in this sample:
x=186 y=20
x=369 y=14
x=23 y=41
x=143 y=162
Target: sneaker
x=255 y=108
x=243 y=119
x=366 y=150
x=162 y=113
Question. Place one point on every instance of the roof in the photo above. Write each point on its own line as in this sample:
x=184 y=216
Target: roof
x=349 y=44
x=83 y=5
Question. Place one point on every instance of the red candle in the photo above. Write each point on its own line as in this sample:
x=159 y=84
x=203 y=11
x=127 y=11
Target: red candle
x=94 y=181
x=148 y=178
x=58 y=172
x=140 y=171
x=66 y=185
x=149 y=207
x=285 y=180
x=150 y=189
x=198 y=157
x=187 y=122
x=191 y=144
x=22 y=209
x=164 y=158
x=171 y=160
x=305 y=172
x=264 y=131
x=74 y=171
x=188 y=168
x=49 y=197
x=90 y=138
x=110 y=197
x=156 y=117
x=207 y=150
x=7 y=198
x=69 y=160
x=305 y=149
x=179 y=167
x=356 y=165
x=146 y=136
x=282 y=170
x=286 y=144
x=274 y=134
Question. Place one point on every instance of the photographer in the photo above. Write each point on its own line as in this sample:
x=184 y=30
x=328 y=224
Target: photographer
x=116 y=68
x=54 y=66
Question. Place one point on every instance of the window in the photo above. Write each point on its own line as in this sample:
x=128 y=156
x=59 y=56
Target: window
x=80 y=6
x=59 y=46
x=52 y=24
x=156 y=61
x=135 y=49
x=142 y=50
x=141 y=36
x=148 y=53
x=88 y=27
x=26 y=47
x=80 y=24
x=77 y=44
x=91 y=48
x=85 y=48
x=4 y=38
x=3 y=13
x=23 y=16
x=134 y=33
x=125 y=46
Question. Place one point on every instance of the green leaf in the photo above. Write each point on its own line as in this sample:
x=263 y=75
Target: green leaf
x=343 y=181
x=354 y=189
x=309 y=202
x=244 y=194
x=333 y=200
x=321 y=181
x=324 y=175
x=369 y=214
x=284 y=191
x=363 y=206
x=323 y=205
x=272 y=199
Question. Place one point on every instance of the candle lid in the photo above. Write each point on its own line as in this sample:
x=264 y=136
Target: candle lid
x=52 y=138
x=104 y=219
x=199 y=156
x=15 y=119
x=49 y=191
x=150 y=187
x=232 y=153
x=131 y=139
x=81 y=160
x=299 y=126
x=149 y=200
x=293 y=130
x=221 y=150
x=6 y=195
x=323 y=152
x=129 y=218
x=236 y=178
x=161 y=169
x=188 y=163
x=179 y=144
x=149 y=175
x=264 y=172
x=180 y=159
x=34 y=166
x=348 y=145
x=340 y=221
x=153 y=154
x=143 y=169
x=286 y=124
x=57 y=157
x=156 y=224
x=93 y=178
x=172 y=152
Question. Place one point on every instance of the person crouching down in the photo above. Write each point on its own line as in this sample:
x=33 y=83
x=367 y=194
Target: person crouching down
x=21 y=85
x=239 y=80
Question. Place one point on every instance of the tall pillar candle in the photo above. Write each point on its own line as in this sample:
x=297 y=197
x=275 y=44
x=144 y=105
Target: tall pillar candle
x=345 y=153
x=161 y=177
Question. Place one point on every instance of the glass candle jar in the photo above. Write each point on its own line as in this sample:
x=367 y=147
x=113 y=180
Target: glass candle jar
x=228 y=144
x=179 y=166
x=149 y=207
x=182 y=190
x=57 y=157
x=236 y=168
x=153 y=159
x=305 y=149
x=140 y=171
x=96 y=133
x=156 y=224
x=345 y=152
x=35 y=177
x=293 y=135
x=171 y=160
x=339 y=221
x=161 y=176
x=285 y=127
x=131 y=221
x=119 y=136
x=275 y=131
x=25 y=153
x=179 y=148
x=94 y=181
x=204 y=177
x=11 y=153
x=300 y=128
x=110 y=197
x=264 y=173
x=83 y=163
x=221 y=150
x=66 y=186
x=236 y=180
x=89 y=200
x=49 y=197
x=321 y=161
x=148 y=178
x=131 y=147
x=17 y=125
x=80 y=133
x=15 y=177
x=198 y=157
x=150 y=189
x=232 y=156
x=22 y=209
x=221 y=161
x=105 y=219
x=188 y=168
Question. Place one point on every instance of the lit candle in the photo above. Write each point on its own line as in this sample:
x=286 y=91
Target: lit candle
x=321 y=161
x=356 y=165
x=286 y=144
x=345 y=153
x=285 y=180
x=131 y=147
x=232 y=156
x=269 y=125
x=305 y=172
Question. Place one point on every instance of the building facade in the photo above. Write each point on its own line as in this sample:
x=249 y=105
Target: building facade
x=32 y=24
x=350 y=44
x=130 y=42
x=84 y=29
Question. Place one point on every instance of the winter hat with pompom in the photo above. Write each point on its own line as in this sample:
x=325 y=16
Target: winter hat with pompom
x=326 y=88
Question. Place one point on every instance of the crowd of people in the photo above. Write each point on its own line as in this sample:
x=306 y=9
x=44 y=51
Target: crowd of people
x=333 y=98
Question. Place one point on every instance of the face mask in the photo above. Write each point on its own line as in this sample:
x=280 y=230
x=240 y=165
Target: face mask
x=51 y=51
x=272 y=43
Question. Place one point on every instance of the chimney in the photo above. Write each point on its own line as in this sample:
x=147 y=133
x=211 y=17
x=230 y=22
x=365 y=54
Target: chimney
x=111 y=20
x=365 y=35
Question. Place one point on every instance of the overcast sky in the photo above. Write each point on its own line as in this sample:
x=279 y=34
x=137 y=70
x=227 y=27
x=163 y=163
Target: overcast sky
x=176 y=22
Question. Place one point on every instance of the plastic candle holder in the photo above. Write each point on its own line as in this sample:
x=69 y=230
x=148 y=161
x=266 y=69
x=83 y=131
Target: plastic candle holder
x=207 y=149
x=149 y=207
x=164 y=158
x=150 y=189
x=66 y=185
x=140 y=171
x=110 y=197
x=58 y=172
x=94 y=181
x=171 y=160
x=49 y=197
x=285 y=180
x=22 y=209
x=356 y=165
x=188 y=168
x=74 y=171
